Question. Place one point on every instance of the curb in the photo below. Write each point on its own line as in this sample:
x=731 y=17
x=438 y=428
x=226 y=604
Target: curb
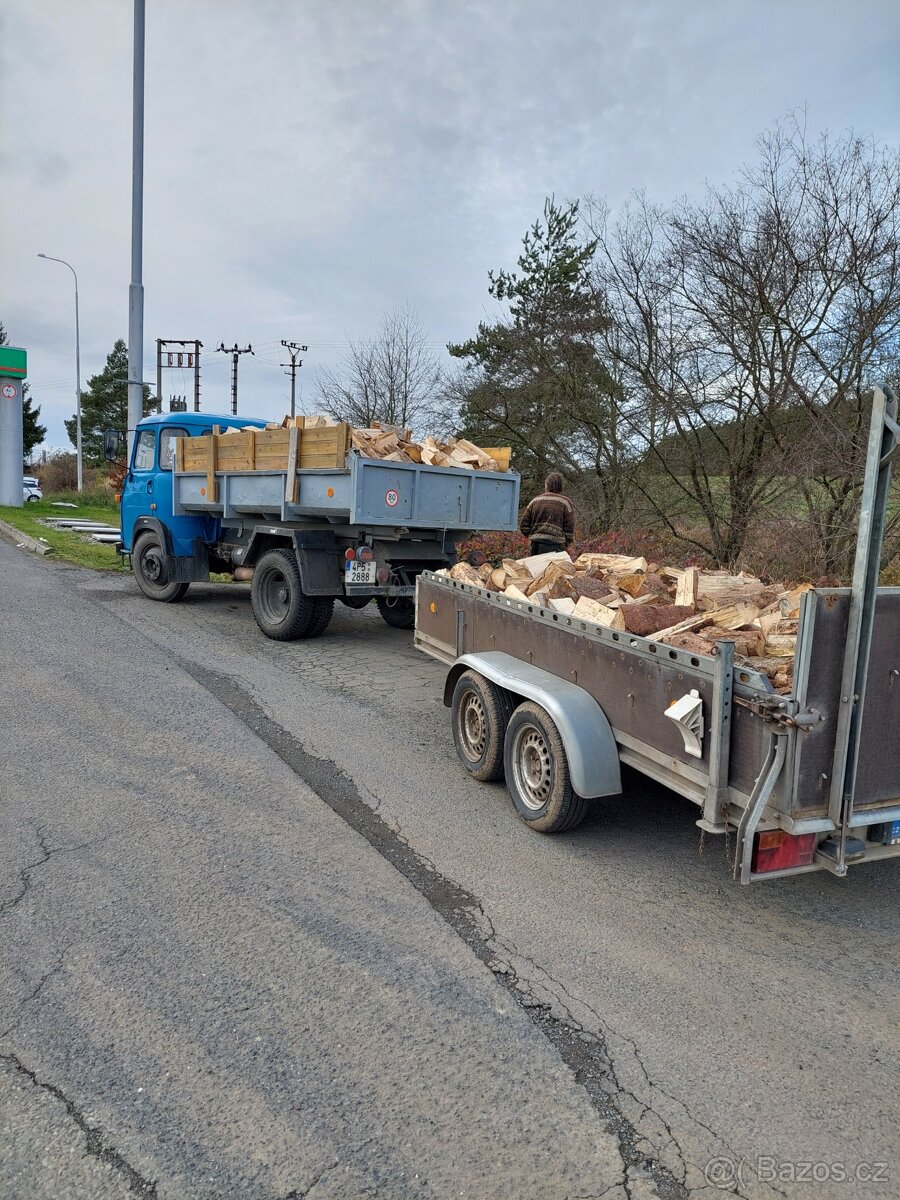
x=24 y=539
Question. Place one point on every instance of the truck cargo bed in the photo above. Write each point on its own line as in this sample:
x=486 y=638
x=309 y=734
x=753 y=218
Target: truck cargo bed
x=367 y=493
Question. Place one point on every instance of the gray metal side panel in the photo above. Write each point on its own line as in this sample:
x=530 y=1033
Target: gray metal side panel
x=818 y=687
x=590 y=746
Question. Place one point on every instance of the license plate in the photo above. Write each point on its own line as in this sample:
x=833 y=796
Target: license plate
x=359 y=572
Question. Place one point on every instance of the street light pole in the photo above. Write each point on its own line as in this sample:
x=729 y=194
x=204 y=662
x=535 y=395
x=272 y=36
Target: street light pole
x=136 y=287
x=78 y=456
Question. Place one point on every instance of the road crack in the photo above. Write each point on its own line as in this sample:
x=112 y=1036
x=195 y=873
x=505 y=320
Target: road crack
x=47 y=853
x=585 y=1051
x=96 y=1147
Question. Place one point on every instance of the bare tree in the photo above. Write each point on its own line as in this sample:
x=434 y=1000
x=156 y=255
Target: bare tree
x=396 y=378
x=747 y=330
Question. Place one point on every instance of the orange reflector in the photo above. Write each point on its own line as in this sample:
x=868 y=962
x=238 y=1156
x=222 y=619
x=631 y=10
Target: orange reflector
x=203 y=491
x=329 y=491
x=152 y=507
x=118 y=497
x=433 y=606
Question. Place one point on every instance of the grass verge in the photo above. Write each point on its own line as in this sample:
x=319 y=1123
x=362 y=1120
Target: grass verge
x=68 y=546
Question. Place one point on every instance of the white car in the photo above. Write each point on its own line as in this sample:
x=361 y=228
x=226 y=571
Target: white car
x=31 y=489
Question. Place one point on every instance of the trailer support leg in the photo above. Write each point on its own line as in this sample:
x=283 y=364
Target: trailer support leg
x=752 y=814
x=719 y=740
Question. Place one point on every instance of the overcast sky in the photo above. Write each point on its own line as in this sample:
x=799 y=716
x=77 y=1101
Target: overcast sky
x=310 y=165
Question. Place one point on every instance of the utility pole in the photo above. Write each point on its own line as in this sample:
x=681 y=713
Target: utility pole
x=235 y=355
x=136 y=289
x=294 y=350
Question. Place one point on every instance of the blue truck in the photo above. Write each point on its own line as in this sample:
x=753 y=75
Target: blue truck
x=364 y=530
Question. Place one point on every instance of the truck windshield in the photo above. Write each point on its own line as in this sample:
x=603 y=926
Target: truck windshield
x=143 y=452
x=167 y=447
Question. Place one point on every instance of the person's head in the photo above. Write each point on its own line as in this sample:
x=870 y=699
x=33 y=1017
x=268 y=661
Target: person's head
x=554 y=482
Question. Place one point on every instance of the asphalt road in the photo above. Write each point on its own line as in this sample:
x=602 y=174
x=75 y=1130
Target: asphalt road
x=262 y=936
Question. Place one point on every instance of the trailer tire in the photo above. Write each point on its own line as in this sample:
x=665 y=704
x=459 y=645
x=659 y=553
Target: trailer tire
x=537 y=772
x=323 y=611
x=399 y=611
x=149 y=561
x=282 y=609
x=480 y=712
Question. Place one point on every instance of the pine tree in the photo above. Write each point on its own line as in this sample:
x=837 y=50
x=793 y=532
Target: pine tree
x=104 y=405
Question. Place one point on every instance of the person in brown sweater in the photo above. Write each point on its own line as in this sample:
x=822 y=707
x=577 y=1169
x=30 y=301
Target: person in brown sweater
x=549 y=519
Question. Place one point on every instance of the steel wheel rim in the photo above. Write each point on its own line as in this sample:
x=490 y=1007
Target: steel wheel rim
x=532 y=767
x=274 y=595
x=152 y=566
x=473 y=726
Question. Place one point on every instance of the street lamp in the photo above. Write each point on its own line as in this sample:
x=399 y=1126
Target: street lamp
x=50 y=258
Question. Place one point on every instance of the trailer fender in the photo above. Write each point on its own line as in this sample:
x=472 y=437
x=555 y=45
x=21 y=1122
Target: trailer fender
x=586 y=734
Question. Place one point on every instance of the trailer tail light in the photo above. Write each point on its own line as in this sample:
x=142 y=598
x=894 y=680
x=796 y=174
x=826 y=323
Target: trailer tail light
x=365 y=553
x=775 y=850
x=383 y=574
x=350 y=554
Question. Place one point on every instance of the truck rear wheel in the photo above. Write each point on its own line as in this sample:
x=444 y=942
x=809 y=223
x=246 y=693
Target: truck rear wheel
x=537 y=772
x=323 y=611
x=281 y=608
x=480 y=713
x=398 y=611
x=149 y=561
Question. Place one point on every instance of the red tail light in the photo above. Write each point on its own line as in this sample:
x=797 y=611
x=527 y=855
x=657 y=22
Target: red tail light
x=350 y=554
x=773 y=850
x=365 y=553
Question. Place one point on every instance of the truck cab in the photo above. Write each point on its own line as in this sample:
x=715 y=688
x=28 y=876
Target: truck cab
x=169 y=551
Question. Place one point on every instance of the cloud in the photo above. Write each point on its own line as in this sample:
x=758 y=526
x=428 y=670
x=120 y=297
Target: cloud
x=309 y=166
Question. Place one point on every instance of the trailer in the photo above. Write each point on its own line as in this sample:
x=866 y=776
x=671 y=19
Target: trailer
x=806 y=782
x=305 y=528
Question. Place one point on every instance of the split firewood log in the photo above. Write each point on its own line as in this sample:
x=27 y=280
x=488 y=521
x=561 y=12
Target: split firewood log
x=562 y=604
x=691 y=642
x=499 y=578
x=466 y=573
x=630 y=583
x=645 y=619
x=514 y=593
x=600 y=614
x=595 y=589
x=538 y=563
x=610 y=562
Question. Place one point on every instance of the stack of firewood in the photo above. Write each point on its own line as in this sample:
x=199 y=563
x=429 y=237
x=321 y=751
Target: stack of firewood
x=391 y=443
x=687 y=609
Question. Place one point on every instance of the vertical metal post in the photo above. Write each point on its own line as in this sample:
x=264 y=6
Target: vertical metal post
x=883 y=440
x=197 y=346
x=719 y=737
x=79 y=457
x=11 y=441
x=159 y=346
x=234 y=371
x=136 y=287
x=293 y=393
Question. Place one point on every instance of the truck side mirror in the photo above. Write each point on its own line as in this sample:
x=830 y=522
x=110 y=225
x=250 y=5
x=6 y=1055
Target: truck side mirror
x=113 y=445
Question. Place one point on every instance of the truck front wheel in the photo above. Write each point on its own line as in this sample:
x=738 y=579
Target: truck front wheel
x=281 y=608
x=480 y=712
x=149 y=561
x=398 y=611
x=537 y=772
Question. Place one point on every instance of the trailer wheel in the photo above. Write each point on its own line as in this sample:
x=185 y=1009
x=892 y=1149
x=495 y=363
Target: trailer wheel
x=323 y=611
x=537 y=772
x=398 y=611
x=280 y=606
x=149 y=562
x=480 y=714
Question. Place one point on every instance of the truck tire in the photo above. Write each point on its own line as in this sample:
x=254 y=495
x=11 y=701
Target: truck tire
x=398 y=611
x=355 y=601
x=282 y=609
x=537 y=772
x=480 y=712
x=323 y=611
x=149 y=561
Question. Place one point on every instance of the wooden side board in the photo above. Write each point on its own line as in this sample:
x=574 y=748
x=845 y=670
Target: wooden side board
x=266 y=449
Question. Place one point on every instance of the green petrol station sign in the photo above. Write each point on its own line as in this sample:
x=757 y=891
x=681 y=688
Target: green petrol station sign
x=13 y=362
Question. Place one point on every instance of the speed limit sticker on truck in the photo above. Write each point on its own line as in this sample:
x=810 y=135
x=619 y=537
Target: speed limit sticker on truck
x=392 y=498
